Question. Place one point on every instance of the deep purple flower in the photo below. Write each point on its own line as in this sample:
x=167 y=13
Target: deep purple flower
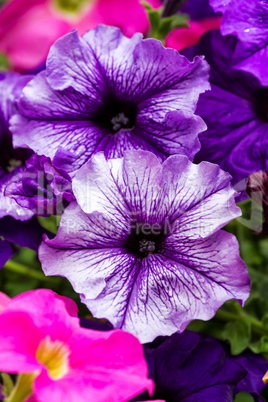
x=256 y=366
x=5 y=252
x=23 y=233
x=42 y=187
x=145 y=250
x=192 y=367
x=11 y=161
x=106 y=92
x=198 y=9
x=235 y=111
x=248 y=20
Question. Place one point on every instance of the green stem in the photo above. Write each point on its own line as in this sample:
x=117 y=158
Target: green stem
x=14 y=266
x=256 y=325
x=22 y=389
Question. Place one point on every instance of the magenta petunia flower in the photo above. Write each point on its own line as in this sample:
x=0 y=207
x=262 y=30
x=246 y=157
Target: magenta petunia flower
x=40 y=338
x=29 y=21
x=143 y=247
x=249 y=22
x=181 y=38
x=105 y=92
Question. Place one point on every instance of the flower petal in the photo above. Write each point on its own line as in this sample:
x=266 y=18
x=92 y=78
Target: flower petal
x=6 y=253
x=249 y=22
x=17 y=351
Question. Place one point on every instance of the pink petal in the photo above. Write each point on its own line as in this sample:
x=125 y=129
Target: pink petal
x=19 y=339
x=48 y=312
x=4 y=300
x=129 y=15
x=183 y=37
x=28 y=29
x=112 y=367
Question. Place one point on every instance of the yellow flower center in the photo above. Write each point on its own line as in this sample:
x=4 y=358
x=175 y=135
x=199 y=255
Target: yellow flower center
x=55 y=356
x=71 y=7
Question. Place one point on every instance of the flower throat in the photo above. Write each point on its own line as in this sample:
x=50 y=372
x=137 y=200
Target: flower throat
x=116 y=115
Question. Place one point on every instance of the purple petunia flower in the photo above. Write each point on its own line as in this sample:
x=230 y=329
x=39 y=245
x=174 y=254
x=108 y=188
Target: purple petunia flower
x=23 y=233
x=256 y=366
x=191 y=367
x=235 y=111
x=11 y=161
x=248 y=20
x=5 y=252
x=143 y=247
x=105 y=92
x=42 y=187
x=198 y=9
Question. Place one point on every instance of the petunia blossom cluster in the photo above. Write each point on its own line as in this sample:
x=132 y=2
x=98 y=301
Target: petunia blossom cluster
x=122 y=164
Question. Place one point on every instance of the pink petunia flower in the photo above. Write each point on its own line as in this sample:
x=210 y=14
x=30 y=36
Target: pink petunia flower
x=29 y=28
x=181 y=38
x=58 y=360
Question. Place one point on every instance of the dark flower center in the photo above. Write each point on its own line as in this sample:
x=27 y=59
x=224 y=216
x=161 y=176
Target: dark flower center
x=116 y=115
x=145 y=239
x=262 y=104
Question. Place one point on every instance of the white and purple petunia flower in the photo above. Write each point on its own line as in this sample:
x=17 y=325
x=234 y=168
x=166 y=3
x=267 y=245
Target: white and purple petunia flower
x=106 y=92
x=248 y=20
x=143 y=245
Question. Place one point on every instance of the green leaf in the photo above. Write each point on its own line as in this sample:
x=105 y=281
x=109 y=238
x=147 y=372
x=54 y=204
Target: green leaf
x=4 y=63
x=154 y=16
x=243 y=397
x=260 y=346
x=168 y=24
x=7 y=384
x=160 y=27
x=238 y=333
x=147 y=6
x=50 y=223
